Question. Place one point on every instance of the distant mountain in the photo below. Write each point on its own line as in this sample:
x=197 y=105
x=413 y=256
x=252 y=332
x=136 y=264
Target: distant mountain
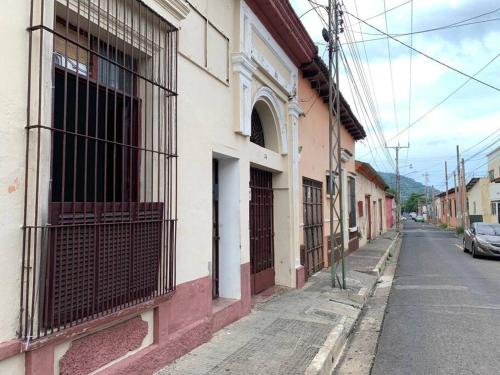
x=408 y=185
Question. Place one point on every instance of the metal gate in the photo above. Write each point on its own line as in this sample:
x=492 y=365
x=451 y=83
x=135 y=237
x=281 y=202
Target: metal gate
x=313 y=226
x=261 y=231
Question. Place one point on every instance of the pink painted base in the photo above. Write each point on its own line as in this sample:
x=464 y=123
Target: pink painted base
x=300 y=277
x=181 y=323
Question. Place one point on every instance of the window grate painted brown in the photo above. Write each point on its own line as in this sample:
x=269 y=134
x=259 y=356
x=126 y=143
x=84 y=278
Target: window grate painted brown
x=101 y=162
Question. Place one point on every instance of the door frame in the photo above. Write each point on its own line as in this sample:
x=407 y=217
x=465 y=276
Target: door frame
x=261 y=277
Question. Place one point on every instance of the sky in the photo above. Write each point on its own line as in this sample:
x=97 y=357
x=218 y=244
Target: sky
x=470 y=118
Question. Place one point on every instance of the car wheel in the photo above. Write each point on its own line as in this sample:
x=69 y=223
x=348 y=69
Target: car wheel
x=465 y=247
x=473 y=251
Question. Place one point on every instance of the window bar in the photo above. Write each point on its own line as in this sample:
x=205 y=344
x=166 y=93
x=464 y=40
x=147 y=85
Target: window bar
x=23 y=309
x=132 y=198
x=102 y=228
x=75 y=156
x=112 y=227
x=158 y=140
x=86 y=285
x=126 y=140
x=71 y=270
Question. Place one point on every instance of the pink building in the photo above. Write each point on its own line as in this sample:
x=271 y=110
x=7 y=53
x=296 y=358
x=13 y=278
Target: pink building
x=389 y=209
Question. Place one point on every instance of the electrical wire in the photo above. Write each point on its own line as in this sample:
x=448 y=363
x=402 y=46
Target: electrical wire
x=365 y=87
x=428 y=56
x=390 y=69
x=410 y=79
x=447 y=97
x=452 y=26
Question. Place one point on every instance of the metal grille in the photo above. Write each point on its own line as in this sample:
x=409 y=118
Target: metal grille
x=261 y=230
x=257 y=135
x=313 y=225
x=101 y=162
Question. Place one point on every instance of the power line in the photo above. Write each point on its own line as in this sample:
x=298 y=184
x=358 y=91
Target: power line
x=447 y=97
x=388 y=10
x=368 y=88
x=428 y=56
x=452 y=26
x=390 y=69
x=370 y=100
x=410 y=78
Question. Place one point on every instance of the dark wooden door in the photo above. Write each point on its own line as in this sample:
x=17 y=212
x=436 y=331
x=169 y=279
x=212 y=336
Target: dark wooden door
x=215 y=229
x=313 y=225
x=261 y=231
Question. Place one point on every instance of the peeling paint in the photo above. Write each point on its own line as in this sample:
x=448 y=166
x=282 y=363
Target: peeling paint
x=12 y=188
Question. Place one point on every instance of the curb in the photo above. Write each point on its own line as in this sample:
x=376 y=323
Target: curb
x=330 y=352
x=380 y=267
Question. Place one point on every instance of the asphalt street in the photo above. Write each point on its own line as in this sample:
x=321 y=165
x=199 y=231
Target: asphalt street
x=443 y=314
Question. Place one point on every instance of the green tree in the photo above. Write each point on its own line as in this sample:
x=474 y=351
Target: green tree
x=411 y=204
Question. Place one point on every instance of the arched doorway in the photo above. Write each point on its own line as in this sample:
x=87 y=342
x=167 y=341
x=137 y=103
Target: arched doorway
x=261 y=203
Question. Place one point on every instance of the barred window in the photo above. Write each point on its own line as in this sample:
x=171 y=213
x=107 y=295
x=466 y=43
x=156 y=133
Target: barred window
x=100 y=207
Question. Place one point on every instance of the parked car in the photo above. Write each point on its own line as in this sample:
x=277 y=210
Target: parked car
x=482 y=239
x=413 y=216
x=419 y=219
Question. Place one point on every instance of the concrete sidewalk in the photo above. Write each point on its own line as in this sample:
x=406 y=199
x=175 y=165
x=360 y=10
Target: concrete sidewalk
x=296 y=331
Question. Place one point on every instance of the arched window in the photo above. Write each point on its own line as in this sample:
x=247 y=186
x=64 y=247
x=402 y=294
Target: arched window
x=257 y=136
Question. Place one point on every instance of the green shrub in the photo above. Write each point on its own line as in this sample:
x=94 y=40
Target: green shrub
x=443 y=226
x=460 y=230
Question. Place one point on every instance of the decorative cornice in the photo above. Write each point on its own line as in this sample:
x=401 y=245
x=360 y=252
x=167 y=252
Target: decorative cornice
x=286 y=28
x=177 y=8
x=243 y=64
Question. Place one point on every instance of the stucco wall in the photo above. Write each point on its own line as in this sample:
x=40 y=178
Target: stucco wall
x=479 y=194
x=314 y=159
x=14 y=19
x=365 y=187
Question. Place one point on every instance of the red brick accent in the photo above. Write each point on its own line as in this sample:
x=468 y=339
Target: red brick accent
x=92 y=352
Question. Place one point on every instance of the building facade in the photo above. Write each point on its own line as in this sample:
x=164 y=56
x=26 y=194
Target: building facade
x=371 y=202
x=156 y=174
x=314 y=231
x=494 y=189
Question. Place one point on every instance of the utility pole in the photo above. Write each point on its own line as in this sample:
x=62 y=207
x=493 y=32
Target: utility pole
x=426 y=175
x=398 y=186
x=335 y=151
x=447 y=204
x=457 y=199
x=458 y=196
x=433 y=205
x=465 y=214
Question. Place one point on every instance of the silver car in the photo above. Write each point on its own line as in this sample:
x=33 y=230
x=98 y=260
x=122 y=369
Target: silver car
x=482 y=239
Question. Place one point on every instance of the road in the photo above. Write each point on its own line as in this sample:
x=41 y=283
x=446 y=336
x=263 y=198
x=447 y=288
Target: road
x=443 y=314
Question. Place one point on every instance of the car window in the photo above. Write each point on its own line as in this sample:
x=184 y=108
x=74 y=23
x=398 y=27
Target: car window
x=489 y=230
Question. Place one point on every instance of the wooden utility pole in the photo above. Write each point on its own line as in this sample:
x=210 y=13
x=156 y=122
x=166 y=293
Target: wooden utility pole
x=447 y=202
x=457 y=199
x=465 y=208
x=426 y=175
x=458 y=192
x=433 y=205
x=398 y=186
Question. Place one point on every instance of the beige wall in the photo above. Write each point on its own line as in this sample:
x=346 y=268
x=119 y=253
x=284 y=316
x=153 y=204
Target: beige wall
x=494 y=162
x=365 y=187
x=479 y=195
x=212 y=102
